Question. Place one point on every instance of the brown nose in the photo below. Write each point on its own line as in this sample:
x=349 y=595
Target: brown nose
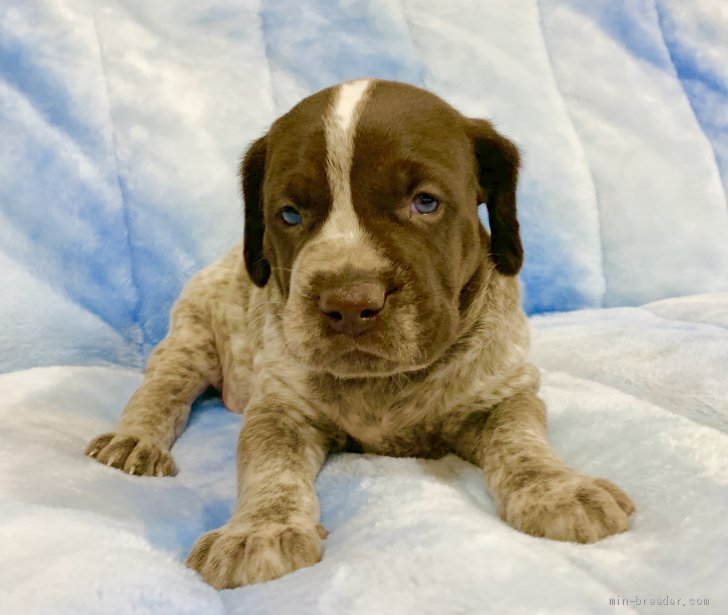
x=353 y=309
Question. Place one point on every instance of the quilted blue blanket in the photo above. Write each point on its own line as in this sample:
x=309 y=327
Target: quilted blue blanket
x=121 y=127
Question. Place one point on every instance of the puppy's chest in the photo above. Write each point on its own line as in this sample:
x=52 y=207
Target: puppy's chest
x=397 y=427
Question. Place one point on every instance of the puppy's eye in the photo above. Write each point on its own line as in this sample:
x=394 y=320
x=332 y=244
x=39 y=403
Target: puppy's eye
x=291 y=216
x=425 y=203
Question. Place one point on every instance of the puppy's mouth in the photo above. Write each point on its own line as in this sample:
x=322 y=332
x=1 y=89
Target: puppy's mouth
x=362 y=364
x=345 y=356
x=365 y=347
x=392 y=343
x=363 y=357
x=363 y=344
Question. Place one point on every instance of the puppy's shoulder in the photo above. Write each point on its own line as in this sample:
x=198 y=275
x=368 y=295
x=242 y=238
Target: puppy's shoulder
x=214 y=289
x=490 y=360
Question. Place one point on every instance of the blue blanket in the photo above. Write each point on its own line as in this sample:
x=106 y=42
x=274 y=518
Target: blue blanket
x=121 y=127
x=122 y=124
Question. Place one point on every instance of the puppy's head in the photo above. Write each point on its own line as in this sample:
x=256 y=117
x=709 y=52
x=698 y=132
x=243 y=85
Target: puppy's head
x=361 y=207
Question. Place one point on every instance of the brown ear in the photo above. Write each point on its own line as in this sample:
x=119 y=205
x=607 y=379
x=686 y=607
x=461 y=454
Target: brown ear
x=498 y=162
x=252 y=173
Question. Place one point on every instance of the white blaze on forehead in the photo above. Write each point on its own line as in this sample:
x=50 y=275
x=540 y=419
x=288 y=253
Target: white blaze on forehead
x=342 y=240
x=350 y=95
x=340 y=126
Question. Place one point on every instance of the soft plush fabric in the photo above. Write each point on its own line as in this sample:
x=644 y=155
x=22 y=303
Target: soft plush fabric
x=122 y=124
x=635 y=397
x=121 y=127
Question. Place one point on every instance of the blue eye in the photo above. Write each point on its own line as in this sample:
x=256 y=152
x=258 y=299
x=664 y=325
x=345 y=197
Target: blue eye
x=425 y=203
x=291 y=216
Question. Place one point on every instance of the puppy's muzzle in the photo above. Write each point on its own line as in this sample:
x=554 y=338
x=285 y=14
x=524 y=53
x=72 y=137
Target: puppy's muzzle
x=355 y=308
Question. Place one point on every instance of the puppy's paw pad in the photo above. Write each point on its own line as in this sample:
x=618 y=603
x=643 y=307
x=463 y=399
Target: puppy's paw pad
x=242 y=555
x=573 y=508
x=132 y=455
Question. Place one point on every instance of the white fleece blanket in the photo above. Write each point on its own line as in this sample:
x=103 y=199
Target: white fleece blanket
x=635 y=395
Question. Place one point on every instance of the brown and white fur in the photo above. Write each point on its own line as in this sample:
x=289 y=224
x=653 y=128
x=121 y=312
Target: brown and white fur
x=370 y=326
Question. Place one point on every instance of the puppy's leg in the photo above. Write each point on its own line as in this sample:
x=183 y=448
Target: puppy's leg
x=178 y=370
x=275 y=527
x=537 y=492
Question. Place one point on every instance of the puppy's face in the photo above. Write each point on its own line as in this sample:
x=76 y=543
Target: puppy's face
x=361 y=206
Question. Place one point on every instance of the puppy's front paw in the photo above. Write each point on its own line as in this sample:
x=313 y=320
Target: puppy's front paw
x=570 y=507
x=132 y=455
x=236 y=555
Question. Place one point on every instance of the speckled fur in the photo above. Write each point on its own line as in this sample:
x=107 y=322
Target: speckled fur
x=475 y=397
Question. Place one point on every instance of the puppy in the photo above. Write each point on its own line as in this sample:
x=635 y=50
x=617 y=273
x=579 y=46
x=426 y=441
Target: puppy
x=370 y=311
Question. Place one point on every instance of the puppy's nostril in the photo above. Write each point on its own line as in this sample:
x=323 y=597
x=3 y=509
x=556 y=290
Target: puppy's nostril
x=353 y=309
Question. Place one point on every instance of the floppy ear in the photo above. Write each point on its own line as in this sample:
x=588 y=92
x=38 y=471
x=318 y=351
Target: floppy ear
x=498 y=162
x=252 y=173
